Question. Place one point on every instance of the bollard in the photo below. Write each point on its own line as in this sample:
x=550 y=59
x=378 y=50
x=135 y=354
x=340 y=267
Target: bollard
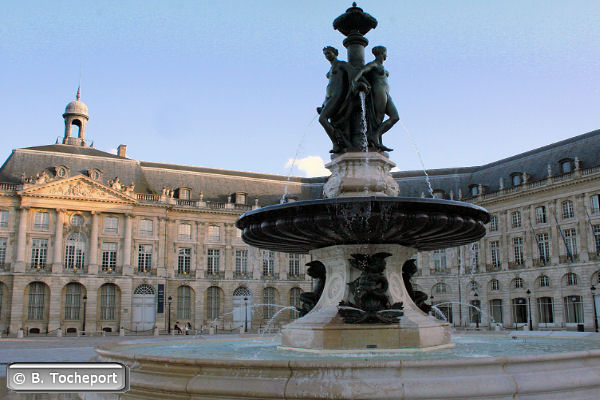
x=211 y=330
x=155 y=331
x=59 y=332
x=122 y=332
x=497 y=327
x=241 y=330
x=20 y=333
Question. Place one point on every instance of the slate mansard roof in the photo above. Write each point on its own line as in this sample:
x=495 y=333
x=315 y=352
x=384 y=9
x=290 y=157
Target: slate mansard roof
x=217 y=184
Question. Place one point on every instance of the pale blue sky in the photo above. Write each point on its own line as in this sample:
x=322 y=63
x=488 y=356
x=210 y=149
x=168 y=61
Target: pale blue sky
x=234 y=84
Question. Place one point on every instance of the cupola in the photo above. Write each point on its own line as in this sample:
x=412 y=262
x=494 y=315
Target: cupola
x=76 y=114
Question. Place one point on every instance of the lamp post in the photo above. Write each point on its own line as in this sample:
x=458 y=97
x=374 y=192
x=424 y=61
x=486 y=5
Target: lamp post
x=478 y=315
x=84 y=307
x=529 y=309
x=593 y=289
x=245 y=314
x=169 y=300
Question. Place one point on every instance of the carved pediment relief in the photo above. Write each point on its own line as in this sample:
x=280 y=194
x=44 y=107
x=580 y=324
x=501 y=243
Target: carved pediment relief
x=78 y=187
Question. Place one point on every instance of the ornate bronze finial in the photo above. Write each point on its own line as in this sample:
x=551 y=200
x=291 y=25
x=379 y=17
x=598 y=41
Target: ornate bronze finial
x=78 y=97
x=353 y=4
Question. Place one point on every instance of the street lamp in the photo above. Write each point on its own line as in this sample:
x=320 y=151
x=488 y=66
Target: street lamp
x=245 y=314
x=169 y=300
x=84 y=307
x=529 y=309
x=478 y=315
x=593 y=289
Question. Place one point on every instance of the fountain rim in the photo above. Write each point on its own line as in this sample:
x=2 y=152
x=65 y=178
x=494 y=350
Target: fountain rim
x=112 y=351
x=410 y=201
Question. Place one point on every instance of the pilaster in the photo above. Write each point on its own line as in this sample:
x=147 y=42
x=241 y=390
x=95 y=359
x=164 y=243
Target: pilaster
x=21 y=240
x=57 y=261
x=93 y=265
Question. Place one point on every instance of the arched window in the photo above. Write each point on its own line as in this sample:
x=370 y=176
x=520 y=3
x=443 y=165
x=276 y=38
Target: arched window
x=75 y=251
x=184 y=302
x=242 y=291
x=474 y=286
x=543 y=281
x=516 y=178
x=73 y=294
x=144 y=289
x=108 y=301
x=570 y=279
x=295 y=302
x=268 y=299
x=518 y=283
x=36 y=301
x=494 y=285
x=213 y=302
x=440 y=288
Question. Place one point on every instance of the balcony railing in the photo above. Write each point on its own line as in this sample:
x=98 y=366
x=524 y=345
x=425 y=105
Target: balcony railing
x=516 y=265
x=110 y=271
x=440 y=271
x=148 y=197
x=43 y=269
x=214 y=205
x=270 y=277
x=493 y=267
x=296 y=277
x=565 y=259
x=185 y=274
x=151 y=272
x=9 y=187
x=214 y=274
x=75 y=270
x=242 y=275
x=541 y=262
x=593 y=256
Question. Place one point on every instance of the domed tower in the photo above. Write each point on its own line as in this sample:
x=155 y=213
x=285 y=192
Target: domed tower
x=76 y=114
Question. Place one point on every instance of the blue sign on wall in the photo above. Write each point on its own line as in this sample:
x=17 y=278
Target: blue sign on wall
x=161 y=299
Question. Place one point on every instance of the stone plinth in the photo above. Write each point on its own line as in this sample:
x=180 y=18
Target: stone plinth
x=324 y=330
x=360 y=174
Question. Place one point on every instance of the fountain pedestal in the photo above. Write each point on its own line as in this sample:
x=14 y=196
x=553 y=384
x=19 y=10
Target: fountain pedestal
x=323 y=329
x=359 y=174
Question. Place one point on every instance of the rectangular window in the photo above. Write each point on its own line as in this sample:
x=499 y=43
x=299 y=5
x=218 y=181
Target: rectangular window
x=213 y=257
x=184 y=232
x=519 y=310
x=241 y=261
x=268 y=262
x=571 y=239
x=214 y=233
x=36 y=304
x=146 y=227
x=540 y=215
x=72 y=302
x=496 y=310
x=41 y=220
x=518 y=250
x=495 y=253
x=294 y=264
x=573 y=310
x=597 y=238
x=184 y=194
x=111 y=225
x=184 y=260
x=516 y=219
x=144 y=257
x=493 y=223
x=3 y=218
x=595 y=204
x=545 y=309
x=184 y=302
x=568 y=210
x=543 y=247
x=475 y=255
x=439 y=259
x=109 y=256
x=39 y=253
x=3 y=242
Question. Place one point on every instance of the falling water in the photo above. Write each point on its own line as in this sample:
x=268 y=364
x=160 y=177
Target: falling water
x=289 y=175
x=268 y=326
x=363 y=130
x=412 y=139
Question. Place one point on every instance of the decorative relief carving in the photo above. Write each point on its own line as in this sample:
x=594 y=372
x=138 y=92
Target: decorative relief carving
x=77 y=188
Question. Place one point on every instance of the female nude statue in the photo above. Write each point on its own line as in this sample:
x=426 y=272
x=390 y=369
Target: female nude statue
x=336 y=99
x=381 y=102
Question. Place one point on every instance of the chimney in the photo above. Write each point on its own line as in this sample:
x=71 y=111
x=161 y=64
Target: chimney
x=122 y=150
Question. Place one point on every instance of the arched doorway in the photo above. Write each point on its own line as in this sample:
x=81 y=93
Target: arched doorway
x=143 y=308
x=242 y=307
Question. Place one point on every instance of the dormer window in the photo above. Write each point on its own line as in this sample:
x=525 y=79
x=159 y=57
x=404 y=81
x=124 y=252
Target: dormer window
x=439 y=194
x=61 y=171
x=516 y=178
x=95 y=174
x=239 y=197
x=185 y=193
x=566 y=165
x=474 y=190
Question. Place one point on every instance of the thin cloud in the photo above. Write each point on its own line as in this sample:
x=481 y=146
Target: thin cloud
x=311 y=166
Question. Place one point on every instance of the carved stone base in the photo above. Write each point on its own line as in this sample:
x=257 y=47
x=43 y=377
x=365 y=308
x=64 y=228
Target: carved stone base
x=360 y=174
x=323 y=328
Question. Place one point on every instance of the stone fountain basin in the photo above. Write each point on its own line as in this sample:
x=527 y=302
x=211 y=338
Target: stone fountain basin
x=540 y=376
x=423 y=224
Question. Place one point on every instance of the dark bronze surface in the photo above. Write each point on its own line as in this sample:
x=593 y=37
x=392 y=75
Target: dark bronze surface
x=424 y=224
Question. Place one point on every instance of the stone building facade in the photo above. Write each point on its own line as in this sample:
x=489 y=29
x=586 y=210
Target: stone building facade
x=97 y=241
x=93 y=239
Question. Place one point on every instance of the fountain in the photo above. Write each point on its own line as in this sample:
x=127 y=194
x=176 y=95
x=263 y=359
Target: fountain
x=365 y=333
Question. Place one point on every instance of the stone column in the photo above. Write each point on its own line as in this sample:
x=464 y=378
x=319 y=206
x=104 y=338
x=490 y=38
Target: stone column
x=93 y=264
x=55 y=304
x=57 y=261
x=91 y=309
x=127 y=245
x=21 y=240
